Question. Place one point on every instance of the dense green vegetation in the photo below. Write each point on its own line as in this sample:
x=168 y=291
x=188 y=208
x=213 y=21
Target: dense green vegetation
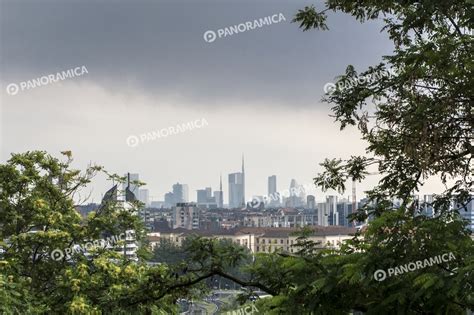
x=418 y=124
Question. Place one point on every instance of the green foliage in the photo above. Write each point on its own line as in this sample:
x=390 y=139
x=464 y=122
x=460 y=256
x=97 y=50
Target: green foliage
x=417 y=119
x=37 y=215
x=421 y=95
x=341 y=281
x=414 y=109
x=169 y=253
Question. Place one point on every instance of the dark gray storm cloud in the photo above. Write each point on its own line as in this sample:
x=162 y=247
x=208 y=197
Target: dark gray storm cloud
x=158 y=47
x=149 y=68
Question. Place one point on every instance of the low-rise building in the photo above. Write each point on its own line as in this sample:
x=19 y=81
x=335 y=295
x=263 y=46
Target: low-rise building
x=260 y=240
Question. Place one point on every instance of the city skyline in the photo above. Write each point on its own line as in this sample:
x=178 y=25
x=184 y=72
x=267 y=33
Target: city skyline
x=192 y=194
x=264 y=100
x=209 y=157
x=239 y=195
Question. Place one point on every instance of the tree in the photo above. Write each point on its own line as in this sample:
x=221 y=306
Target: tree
x=169 y=253
x=41 y=272
x=414 y=110
x=39 y=228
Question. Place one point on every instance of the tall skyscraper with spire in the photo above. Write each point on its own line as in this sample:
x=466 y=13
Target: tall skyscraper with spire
x=220 y=195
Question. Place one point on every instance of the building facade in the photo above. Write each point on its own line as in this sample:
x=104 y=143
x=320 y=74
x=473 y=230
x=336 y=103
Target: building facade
x=261 y=240
x=186 y=216
x=236 y=190
x=180 y=193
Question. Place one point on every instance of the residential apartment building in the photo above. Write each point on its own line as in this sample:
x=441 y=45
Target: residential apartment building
x=186 y=216
x=261 y=240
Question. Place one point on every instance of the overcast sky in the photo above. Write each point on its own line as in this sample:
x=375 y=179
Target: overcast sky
x=150 y=68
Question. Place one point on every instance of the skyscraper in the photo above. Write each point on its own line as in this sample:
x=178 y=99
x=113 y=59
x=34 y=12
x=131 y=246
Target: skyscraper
x=208 y=192
x=243 y=182
x=467 y=213
x=344 y=209
x=144 y=196
x=273 y=195
x=169 y=200
x=237 y=188
x=202 y=196
x=323 y=214
x=427 y=206
x=331 y=204
x=219 y=195
x=311 y=202
x=180 y=192
x=297 y=197
x=272 y=184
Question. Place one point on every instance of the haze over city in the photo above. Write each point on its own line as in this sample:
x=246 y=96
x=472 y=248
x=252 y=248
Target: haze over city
x=216 y=157
x=259 y=91
x=266 y=110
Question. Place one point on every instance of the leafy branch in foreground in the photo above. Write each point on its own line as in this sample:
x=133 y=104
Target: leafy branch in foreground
x=38 y=216
x=422 y=123
x=414 y=111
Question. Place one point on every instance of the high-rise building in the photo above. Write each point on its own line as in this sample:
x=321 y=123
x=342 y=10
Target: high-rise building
x=202 y=196
x=237 y=188
x=467 y=213
x=323 y=214
x=180 y=192
x=272 y=185
x=208 y=192
x=311 y=202
x=331 y=202
x=427 y=206
x=144 y=196
x=236 y=192
x=243 y=181
x=218 y=198
x=327 y=212
x=344 y=209
x=169 y=200
x=186 y=216
x=219 y=195
x=131 y=192
x=297 y=195
x=205 y=199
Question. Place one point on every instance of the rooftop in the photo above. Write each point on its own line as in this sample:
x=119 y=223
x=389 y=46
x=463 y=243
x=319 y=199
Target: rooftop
x=262 y=232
